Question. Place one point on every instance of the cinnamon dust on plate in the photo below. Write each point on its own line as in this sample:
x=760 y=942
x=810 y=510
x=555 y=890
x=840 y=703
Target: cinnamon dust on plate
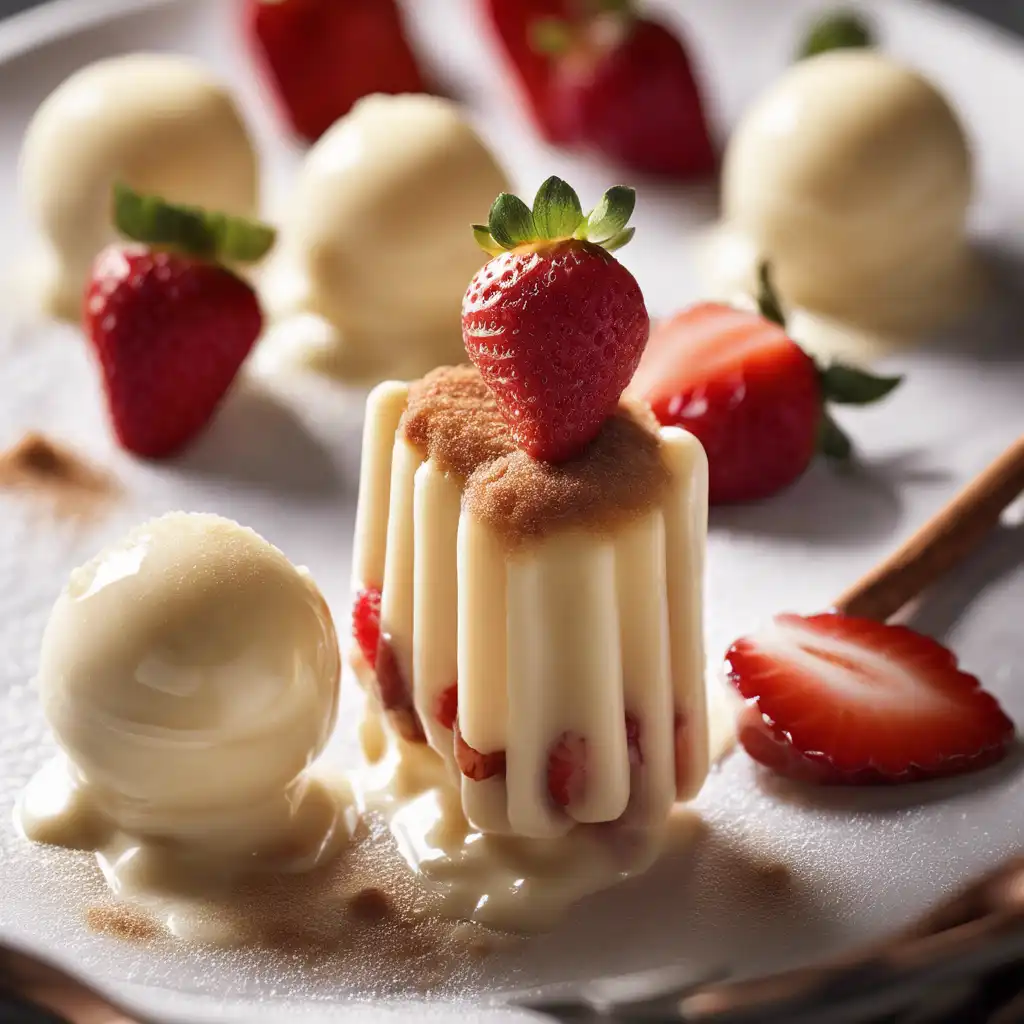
x=56 y=474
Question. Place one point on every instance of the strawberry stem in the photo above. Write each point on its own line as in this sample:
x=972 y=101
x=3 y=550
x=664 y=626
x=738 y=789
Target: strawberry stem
x=557 y=215
x=841 y=30
x=849 y=385
x=189 y=229
x=833 y=441
x=768 y=303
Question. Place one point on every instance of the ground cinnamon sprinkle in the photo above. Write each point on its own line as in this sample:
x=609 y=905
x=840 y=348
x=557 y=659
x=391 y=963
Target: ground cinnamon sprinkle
x=453 y=419
x=122 y=923
x=35 y=463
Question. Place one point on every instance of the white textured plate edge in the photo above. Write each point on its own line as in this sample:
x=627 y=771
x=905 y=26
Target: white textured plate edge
x=49 y=22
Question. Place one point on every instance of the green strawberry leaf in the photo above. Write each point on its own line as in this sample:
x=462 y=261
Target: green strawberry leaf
x=768 y=303
x=557 y=212
x=611 y=215
x=832 y=440
x=485 y=240
x=619 y=240
x=511 y=221
x=848 y=385
x=215 y=236
x=841 y=30
x=557 y=216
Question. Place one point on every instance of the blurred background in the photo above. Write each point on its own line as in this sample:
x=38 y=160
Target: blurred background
x=1008 y=13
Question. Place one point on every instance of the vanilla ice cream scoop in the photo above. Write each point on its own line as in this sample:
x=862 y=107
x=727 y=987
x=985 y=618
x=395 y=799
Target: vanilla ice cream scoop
x=157 y=122
x=852 y=175
x=377 y=242
x=190 y=669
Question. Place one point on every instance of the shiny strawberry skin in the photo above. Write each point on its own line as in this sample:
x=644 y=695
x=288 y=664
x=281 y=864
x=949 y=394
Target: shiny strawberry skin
x=170 y=334
x=321 y=56
x=636 y=102
x=839 y=700
x=748 y=392
x=557 y=332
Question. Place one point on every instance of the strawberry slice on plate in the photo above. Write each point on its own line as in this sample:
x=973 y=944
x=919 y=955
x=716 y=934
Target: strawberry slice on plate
x=839 y=700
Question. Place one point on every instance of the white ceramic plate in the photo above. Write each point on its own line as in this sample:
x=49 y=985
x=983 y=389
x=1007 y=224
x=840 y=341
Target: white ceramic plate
x=283 y=459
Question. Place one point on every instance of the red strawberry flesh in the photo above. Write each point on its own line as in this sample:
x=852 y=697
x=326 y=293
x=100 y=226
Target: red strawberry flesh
x=366 y=623
x=567 y=769
x=395 y=693
x=835 y=699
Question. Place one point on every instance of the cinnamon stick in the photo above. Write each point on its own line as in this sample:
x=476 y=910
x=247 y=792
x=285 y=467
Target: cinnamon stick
x=944 y=541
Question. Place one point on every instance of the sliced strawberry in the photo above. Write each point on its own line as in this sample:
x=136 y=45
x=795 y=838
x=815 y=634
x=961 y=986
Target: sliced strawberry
x=834 y=699
x=395 y=694
x=473 y=764
x=567 y=769
x=447 y=708
x=366 y=623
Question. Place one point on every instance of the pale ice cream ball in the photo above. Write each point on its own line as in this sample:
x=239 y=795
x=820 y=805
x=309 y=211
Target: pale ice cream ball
x=377 y=240
x=189 y=667
x=852 y=175
x=158 y=122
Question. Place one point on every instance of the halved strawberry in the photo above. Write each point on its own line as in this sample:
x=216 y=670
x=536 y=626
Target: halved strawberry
x=755 y=400
x=366 y=623
x=834 y=699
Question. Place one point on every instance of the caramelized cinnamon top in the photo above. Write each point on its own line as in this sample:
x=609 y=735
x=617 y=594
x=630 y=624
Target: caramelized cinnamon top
x=452 y=418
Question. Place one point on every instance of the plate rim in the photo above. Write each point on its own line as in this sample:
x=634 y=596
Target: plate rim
x=55 y=20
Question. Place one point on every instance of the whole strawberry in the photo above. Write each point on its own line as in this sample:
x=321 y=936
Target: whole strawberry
x=756 y=401
x=610 y=80
x=169 y=324
x=323 y=55
x=555 y=324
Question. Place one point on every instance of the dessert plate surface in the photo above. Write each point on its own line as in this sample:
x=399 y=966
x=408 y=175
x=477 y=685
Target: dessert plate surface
x=774 y=878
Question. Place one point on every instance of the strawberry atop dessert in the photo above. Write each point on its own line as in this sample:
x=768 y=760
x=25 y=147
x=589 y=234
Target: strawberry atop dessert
x=500 y=506
x=598 y=74
x=170 y=325
x=554 y=323
x=754 y=398
x=836 y=699
x=323 y=55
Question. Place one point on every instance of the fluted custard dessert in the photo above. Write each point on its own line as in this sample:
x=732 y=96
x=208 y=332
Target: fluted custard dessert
x=540 y=624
